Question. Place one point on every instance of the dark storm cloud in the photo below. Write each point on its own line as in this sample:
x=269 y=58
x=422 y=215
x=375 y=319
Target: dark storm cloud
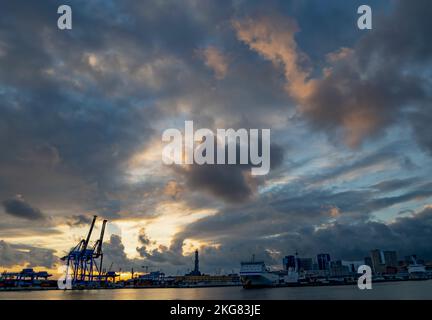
x=408 y=235
x=286 y=221
x=80 y=111
x=57 y=121
x=362 y=90
x=11 y=255
x=161 y=255
x=114 y=254
x=241 y=235
x=382 y=76
x=424 y=192
x=158 y=258
x=226 y=182
x=421 y=120
x=19 y=208
x=232 y=183
x=365 y=93
x=351 y=167
x=76 y=105
x=355 y=204
x=143 y=239
x=346 y=240
x=79 y=220
x=394 y=184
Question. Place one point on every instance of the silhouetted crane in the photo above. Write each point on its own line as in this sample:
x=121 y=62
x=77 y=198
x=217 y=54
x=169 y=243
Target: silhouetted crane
x=83 y=261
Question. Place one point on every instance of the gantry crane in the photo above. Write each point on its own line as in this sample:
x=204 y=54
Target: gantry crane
x=82 y=263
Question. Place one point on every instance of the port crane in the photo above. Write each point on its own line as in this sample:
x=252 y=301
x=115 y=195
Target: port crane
x=84 y=263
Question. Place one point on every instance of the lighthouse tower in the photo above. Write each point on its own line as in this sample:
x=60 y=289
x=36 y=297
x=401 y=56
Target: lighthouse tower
x=196 y=271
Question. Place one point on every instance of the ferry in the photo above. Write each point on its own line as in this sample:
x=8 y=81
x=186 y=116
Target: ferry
x=417 y=271
x=255 y=274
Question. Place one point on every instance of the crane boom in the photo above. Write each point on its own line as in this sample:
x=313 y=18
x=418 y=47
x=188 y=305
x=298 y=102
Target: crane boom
x=89 y=234
x=99 y=247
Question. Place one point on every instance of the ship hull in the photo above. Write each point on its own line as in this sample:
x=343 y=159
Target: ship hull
x=264 y=280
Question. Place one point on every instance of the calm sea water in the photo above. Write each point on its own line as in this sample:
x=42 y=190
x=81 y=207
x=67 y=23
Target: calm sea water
x=390 y=290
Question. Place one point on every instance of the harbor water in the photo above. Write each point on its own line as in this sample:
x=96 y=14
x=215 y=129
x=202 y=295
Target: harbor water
x=420 y=290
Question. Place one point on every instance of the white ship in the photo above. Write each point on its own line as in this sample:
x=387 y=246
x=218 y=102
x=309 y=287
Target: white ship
x=416 y=271
x=255 y=274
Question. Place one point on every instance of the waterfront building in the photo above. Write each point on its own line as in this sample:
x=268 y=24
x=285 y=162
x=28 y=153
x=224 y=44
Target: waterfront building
x=352 y=265
x=378 y=261
x=304 y=264
x=207 y=280
x=151 y=279
x=289 y=262
x=323 y=260
x=390 y=259
x=368 y=262
x=384 y=261
x=337 y=269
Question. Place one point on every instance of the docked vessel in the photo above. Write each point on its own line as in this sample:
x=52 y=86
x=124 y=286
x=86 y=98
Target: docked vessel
x=255 y=274
x=417 y=271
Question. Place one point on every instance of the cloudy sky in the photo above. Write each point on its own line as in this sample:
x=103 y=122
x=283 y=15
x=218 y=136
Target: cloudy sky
x=82 y=112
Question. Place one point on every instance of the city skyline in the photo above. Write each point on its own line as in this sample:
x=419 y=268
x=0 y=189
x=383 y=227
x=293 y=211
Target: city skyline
x=82 y=114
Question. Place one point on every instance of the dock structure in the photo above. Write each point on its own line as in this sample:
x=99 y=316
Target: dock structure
x=26 y=278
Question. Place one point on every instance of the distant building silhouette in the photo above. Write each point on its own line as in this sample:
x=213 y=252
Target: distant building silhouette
x=304 y=264
x=382 y=260
x=289 y=262
x=368 y=262
x=378 y=261
x=323 y=260
x=390 y=258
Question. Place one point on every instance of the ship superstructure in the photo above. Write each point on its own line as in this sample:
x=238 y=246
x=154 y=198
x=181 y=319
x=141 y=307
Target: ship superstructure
x=255 y=274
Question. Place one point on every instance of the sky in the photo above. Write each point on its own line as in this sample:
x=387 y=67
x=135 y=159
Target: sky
x=82 y=113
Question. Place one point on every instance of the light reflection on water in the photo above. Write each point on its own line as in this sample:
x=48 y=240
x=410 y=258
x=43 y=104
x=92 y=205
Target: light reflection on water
x=390 y=290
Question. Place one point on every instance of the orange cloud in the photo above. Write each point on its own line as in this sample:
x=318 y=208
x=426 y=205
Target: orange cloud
x=273 y=38
x=327 y=100
x=215 y=60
